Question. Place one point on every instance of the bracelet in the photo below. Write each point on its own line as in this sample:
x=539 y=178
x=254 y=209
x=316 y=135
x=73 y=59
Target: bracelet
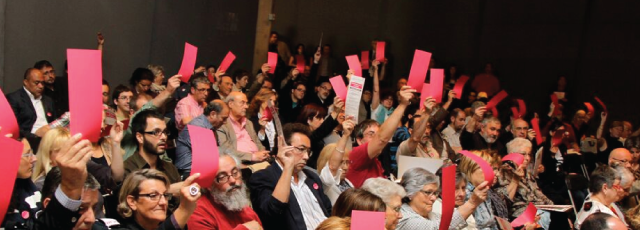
x=340 y=151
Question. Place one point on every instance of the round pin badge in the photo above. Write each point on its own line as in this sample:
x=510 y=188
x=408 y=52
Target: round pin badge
x=193 y=190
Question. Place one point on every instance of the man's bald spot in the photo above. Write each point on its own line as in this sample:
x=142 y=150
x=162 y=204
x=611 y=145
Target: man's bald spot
x=620 y=153
x=32 y=73
x=520 y=122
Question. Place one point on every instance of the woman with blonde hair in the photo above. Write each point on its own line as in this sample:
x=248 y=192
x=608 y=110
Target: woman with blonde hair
x=256 y=114
x=335 y=223
x=333 y=164
x=49 y=147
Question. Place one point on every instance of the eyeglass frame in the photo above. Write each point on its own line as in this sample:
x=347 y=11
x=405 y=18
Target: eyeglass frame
x=235 y=173
x=155 y=196
x=429 y=194
x=158 y=133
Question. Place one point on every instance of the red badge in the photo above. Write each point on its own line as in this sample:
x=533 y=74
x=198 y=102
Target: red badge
x=315 y=186
x=48 y=114
x=25 y=215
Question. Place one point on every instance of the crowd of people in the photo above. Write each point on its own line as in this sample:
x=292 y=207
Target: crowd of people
x=324 y=164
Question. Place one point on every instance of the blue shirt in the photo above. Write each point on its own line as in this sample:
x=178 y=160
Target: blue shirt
x=183 y=143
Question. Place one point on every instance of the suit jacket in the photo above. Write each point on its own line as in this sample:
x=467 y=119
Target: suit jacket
x=227 y=139
x=438 y=142
x=26 y=114
x=275 y=214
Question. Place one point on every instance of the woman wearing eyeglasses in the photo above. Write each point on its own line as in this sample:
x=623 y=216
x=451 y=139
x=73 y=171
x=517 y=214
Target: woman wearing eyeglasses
x=21 y=213
x=144 y=201
x=422 y=191
x=321 y=125
x=333 y=164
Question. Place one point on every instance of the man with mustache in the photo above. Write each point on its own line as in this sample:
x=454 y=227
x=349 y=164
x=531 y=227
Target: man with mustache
x=286 y=195
x=482 y=132
x=225 y=205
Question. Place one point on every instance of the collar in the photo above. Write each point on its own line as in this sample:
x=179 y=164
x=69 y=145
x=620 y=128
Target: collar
x=31 y=95
x=241 y=123
x=141 y=163
x=301 y=176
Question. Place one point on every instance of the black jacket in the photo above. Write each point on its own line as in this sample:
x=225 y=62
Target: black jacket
x=474 y=141
x=26 y=114
x=275 y=214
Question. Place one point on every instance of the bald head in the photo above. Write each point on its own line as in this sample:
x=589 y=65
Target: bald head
x=519 y=128
x=34 y=82
x=620 y=156
x=238 y=104
x=603 y=221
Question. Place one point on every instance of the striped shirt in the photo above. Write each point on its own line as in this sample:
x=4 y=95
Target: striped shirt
x=187 y=107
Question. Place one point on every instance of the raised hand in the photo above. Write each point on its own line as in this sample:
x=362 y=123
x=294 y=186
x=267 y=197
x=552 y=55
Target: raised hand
x=72 y=161
x=187 y=199
x=117 y=132
x=173 y=83
x=100 y=39
x=452 y=95
x=349 y=74
x=338 y=104
x=531 y=134
x=479 y=113
x=285 y=154
x=406 y=94
x=348 y=125
x=317 y=56
x=200 y=69
x=480 y=193
x=265 y=68
x=429 y=104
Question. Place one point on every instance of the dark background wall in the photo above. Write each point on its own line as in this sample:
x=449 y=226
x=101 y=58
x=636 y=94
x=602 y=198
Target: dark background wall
x=137 y=33
x=531 y=43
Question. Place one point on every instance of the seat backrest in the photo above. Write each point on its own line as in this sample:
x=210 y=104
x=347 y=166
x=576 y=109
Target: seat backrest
x=576 y=182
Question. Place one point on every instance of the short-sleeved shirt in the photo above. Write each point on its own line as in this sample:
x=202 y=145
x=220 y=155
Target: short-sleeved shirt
x=136 y=162
x=362 y=167
x=188 y=106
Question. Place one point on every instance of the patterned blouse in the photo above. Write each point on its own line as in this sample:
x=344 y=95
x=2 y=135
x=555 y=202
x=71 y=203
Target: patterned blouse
x=527 y=191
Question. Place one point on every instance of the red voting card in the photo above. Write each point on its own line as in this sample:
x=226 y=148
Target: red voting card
x=604 y=107
x=354 y=64
x=494 y=112
x=380 y=51
x=300 y=63
x=266 y=114
x=487 y=170
x=460 y=85
x=448 y=195
x=522 y=107
x=339 y=87
x=426 y=87
x=273 y=61
x=556 y=104
x=496 y=99
x=188 y=62
x=8 y=121
x=515 y=113
x=436 y=83
x=204 y=155
x=85 y=92
x=514 y=157
x=529 y=216
x=536 y=127
x=226 y=62
x=590 y=108
x=367 y=220
x=9 y=162
x=419 y=69
x=365 y=60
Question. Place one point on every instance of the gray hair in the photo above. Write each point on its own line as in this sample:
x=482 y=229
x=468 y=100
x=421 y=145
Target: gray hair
x=232 y=97
x=626 y=176
x=156 y=69
x=199 y=80
x=602 y=175
x=490 y=119
x=383 y=188
x=415 y=178
x=632 y=142
x=518 y=144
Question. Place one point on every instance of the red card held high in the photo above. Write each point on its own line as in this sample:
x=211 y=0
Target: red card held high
x=339 y=87
x=273 y=61
x=448 y=195
x=8 y=121
x=365 y=60
x=204 y=155
x=188 y=62
x=529 y=216
x=496 y=99
x=380 y=51
x=460 y=85
x=515 y=113
x=590 y=108
x=522 y=107
x=436 y=83
x=9 y=162
x=426 y=87
x=85 y=92
x=226 y=62
x=300 y=63
x=367 y=220
x=535 y=124
x=604 y=107
x=419 y=69
x=354 y=64
x=487 y=170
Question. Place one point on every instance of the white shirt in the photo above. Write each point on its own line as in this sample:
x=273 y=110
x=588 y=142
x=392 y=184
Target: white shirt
x=41 y=119
x=452 y=137
x=331 y=182
x=597 y=207
x=471 y=222
x=309 y=205
x=269 y=132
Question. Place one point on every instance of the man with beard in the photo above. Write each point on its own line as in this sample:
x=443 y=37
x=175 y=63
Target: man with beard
x=150 y=132
x=452 y=132
x=225 y=205
x=54 y=87
x=286 y=195
x=321 y=97
x=419 y=144
x=482 y=133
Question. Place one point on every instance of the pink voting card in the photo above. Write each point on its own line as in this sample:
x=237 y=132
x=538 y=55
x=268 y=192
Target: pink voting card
x=515 y=112
x=535 y=124
x=8 y=121
x=267 y=115
x=339 y=87
x=188 y=62
x=487 y=170
x=380 y=51
x=604 y=107
x=273 y=61
x=204 y=155
x=354 y=64
x=522 y=107
x=460 y=85
x=496 y=99
x=419 y=69
x=300 y=63
x=9 y=162
x=556 y=104
x=85 y=92
x=514 y=157
x=367 y=220
x=590 y=108
x=365 y=59
x=529 y=216
x=448 y=195
x=436 y=83
x=426 y=88
x=226 y=62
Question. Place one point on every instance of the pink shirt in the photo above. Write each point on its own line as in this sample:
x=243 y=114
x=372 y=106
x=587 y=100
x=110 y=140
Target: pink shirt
x=187 y=107
x=244 y=143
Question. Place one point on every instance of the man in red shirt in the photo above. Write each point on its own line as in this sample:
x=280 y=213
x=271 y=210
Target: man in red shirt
x=225 y=205
x=372 y=139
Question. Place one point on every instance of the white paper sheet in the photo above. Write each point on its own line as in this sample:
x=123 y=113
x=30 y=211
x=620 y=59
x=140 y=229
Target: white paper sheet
x=354 y=96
